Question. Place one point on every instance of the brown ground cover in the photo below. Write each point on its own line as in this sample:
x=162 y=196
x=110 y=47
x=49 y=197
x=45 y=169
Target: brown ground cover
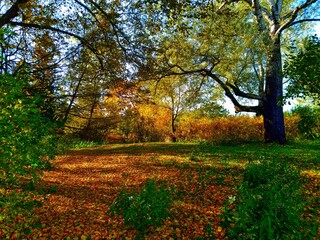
x=86 y=182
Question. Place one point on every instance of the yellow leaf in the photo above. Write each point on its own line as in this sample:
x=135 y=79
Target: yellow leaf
x=219 y=229
x=83 y=237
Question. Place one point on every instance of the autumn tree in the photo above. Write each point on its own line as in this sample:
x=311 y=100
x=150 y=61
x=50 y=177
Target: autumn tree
x=178 y=94
x=91 y=54
x=235 y=43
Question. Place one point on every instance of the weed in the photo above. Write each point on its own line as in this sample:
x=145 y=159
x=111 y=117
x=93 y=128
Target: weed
x=149 y=207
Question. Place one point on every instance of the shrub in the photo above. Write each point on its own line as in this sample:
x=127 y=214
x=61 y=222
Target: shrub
x=149 y=207
x=27 y=143
x=309 y=124
x=27 y=138
x=232 y=129
x=269 y=204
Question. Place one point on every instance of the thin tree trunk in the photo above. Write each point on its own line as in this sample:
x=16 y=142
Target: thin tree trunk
x=173 y=128
x=174 y=113
x=272 y=108
x=74 y=95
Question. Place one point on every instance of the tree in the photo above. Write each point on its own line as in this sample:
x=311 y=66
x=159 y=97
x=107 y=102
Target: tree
x=302 y=68
x=219 y=40
x=71 y=37
x=178 y=94
x=24 y=146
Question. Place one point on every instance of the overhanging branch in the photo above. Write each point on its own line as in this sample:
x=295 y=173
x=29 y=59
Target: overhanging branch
x=238 y=107
x=240 y=93
x=225 y=86
x=303 y=20
x=54 y=29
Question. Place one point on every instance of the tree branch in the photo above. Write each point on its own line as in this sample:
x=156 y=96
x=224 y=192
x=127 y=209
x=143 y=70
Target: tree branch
x=293 y=15
x=238 y=107
x=303 y=20
x=226 y=87
x=113 y=25
x=12 y=12
x=240 y=93
x=54 y=29
x=257 y=10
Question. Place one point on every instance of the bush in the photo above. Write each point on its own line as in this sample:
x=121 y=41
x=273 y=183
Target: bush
x=150 y=207
x=27 y=138
x=27 y=144
x=309 y=124
x=269 y=204
x=232 y=129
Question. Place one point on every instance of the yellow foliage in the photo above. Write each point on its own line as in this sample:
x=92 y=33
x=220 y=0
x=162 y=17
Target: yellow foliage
x=230 y=129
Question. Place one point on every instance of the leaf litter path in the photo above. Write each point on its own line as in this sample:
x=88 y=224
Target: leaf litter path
x=88 y=180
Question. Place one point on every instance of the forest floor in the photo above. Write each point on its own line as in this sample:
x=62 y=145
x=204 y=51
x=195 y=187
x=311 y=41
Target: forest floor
x=84 y=183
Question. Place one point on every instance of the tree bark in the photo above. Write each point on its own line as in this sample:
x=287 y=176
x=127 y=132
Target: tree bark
x=272 y=106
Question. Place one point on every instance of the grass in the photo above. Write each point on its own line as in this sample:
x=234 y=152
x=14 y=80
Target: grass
x=202 y=178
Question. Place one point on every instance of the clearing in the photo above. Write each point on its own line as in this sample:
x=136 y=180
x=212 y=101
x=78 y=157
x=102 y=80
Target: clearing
x=84 y=183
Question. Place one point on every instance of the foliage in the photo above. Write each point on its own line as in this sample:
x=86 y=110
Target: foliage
x=309 y=124
x=302 y=68
x=269 y=204
x=231 y=129
x=27 y=144
x=17 y=204
x=150 y=207
x=27 y=138
x=68 y=141
x=151 y=123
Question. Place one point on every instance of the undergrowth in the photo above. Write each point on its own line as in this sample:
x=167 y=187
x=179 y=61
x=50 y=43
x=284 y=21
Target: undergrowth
x=269 y=204
x=149 y=207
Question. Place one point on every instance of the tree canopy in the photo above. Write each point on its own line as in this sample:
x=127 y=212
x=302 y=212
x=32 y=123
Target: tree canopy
x=302 y=67
x=75 y=51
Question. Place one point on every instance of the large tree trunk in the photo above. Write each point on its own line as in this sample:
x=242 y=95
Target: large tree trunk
x=272 y=108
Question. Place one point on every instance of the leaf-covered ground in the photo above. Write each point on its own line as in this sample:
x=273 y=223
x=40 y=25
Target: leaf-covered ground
x=79 y=190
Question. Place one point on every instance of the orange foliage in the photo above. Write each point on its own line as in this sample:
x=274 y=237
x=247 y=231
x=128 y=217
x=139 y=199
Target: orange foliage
x=160 y=117
x=148 y=123
x=230 y=129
